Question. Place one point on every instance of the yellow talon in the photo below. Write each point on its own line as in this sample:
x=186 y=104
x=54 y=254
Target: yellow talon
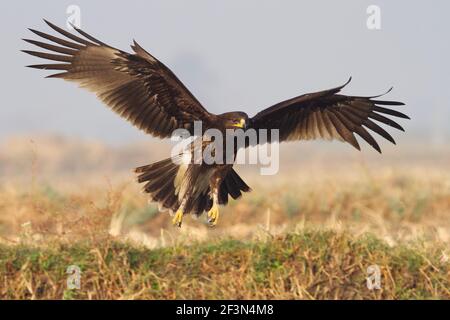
x=213 y=215
x=178 y=218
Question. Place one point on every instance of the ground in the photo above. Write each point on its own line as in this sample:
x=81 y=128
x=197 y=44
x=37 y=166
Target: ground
x=309 y=264
x=312 y=232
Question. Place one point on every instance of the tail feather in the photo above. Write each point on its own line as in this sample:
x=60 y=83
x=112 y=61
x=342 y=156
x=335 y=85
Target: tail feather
x=154 y=166
x=160 y=181
x=232 y=185
x=159 y=178
x=239 y=182
x=233 y=188
x=164 y=192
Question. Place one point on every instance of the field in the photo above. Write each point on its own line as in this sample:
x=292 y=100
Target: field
x=311 y=232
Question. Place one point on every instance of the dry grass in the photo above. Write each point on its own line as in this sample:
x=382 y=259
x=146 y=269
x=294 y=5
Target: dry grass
x=301 y=265
x=396 y=205
x=310 y=233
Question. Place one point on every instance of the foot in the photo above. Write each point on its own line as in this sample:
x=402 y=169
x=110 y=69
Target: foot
x=213 y=215
x=178 y=219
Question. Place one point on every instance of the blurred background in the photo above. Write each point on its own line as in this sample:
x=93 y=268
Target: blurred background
x=64 y=156
x=238 y=55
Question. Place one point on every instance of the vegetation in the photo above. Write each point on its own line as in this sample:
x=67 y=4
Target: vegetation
x=309 y=233
x=304 y=265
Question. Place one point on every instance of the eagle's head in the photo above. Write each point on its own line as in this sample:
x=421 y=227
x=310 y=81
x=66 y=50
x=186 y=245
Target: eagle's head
x=235 y=120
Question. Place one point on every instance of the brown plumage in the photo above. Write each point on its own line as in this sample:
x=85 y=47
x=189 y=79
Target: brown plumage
x=329 y=115
x=144 y=91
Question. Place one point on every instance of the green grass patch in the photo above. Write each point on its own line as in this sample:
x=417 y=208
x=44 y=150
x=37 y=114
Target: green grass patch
x=303 y=265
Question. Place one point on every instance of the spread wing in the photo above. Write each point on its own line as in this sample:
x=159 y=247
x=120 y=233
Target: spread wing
x=329 y=115
x=136 y=86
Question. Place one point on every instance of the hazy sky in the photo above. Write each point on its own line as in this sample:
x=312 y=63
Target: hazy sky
x=237 y=55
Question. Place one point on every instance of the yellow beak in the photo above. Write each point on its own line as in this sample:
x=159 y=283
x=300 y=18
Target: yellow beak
x=241 y=124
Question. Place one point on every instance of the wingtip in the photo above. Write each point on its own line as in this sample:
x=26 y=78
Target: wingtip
x=34 y=31
x=135 y=45
x=73 y=26
x=28 y=40
x=345 y=84
x=348 y=81
x=337 y=89
x=55 y=76
x=51 y=25
x=376 y=147
x=385 y=93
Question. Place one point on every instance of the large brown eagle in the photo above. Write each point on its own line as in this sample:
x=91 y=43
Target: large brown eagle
x=144 y=91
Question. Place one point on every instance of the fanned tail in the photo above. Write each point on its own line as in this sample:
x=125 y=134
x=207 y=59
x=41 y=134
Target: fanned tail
x=162 y=181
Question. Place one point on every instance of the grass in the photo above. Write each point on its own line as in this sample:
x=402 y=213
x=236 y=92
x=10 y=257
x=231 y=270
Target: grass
x=310 y=264
x=310 y=232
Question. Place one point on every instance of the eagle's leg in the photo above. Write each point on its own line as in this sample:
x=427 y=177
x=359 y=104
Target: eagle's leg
x=178 y=218
x=213 y=213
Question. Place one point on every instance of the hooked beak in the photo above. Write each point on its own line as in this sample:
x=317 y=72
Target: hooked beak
x=241 y=124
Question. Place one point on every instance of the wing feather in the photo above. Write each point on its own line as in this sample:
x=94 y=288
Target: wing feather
x=379 y=130
x=366 y=136
x=344 y=128
x=330 y=115
x=135 y=85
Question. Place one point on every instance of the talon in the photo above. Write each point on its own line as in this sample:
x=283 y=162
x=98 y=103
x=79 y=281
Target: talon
x=213 y=215
x=178 y=218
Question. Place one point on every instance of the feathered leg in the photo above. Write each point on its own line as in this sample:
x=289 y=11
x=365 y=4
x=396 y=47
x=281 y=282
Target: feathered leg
x=213 y=213
x=178 y=218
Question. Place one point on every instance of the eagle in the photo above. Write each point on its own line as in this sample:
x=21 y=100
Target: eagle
x=141 y=89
